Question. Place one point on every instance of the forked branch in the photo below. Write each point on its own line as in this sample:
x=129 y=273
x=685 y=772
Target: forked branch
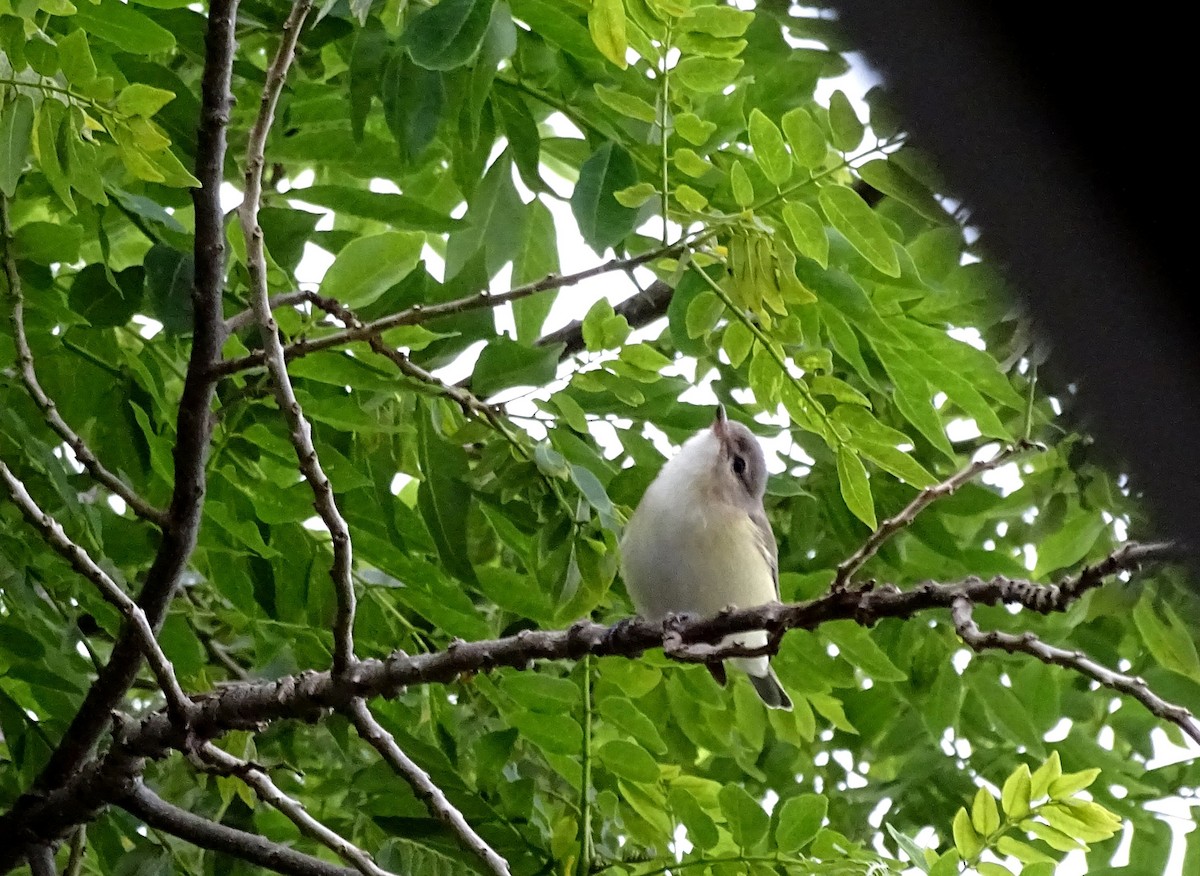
x=1027 y=643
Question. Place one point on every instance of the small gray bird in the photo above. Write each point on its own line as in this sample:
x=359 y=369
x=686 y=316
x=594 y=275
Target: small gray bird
x=700 y=541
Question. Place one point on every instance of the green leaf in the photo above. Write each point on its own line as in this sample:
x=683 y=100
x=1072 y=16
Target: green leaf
x=1069 y=784
x=1166 y=636
x=805 y=137
x=442 y=497
x=856 y=646
x=624 y=103
x=540 y=692
x=169 y=277
x=16 y=134
x=1043 y=776
x=897 y=183
x=602 y=221
x=744 y=816
x=48 y=242
x=628 y=761
x=549 y=20
x=703 y=313
x=743 y=189
x=844 y=123
x=691 y=163
x=636 y=195
x=966 y=840
x=1026 y=854
x=123 y=26
x=505 y=362
x=1069 y=544
x=448 y=35
x=702 y=832
x=849 y=214
x=1053 y=837
x=1015 y=796
x=706 y=75
x=769 y=150
x=718 y=21
x=143 y=100
x=799 y=820
x=856 y=489
x=694 y=129
x=807 y=231
x=75 y=57
x=737 y=342
x=537 y=259
x=627 y=717
x=369 y=266
x=990 y=868
x=985 y=817
x=606 y=24
x=690 y=199
x=400 y=211
x=554 y=734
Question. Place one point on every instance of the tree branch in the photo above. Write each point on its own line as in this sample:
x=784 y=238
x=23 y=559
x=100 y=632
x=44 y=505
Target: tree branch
x=161 y=815
x=194 y=424
x=962 y=613
x=41 y=861
x=420 y=313
x=224 y=763
x=273 y=351
x=45 y=404
x=52 y=531
x=433 y=796
x=849 y=566
x=309 y=695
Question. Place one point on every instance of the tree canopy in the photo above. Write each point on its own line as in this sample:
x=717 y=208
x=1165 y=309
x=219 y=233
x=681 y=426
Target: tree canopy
x=280 y=592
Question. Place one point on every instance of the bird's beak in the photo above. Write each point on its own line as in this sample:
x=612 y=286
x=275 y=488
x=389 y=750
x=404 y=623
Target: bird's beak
x=719 y=423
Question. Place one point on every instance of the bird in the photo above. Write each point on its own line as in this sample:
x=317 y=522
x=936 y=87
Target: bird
x=699 y=542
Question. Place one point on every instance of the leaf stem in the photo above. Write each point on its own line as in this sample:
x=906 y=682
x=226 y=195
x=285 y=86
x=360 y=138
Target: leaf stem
x=586 y=850
x=664 y=103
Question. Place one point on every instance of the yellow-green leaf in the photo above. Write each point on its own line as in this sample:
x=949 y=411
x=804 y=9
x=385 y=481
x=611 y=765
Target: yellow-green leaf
x=694 y=129
x=690 y=199
x=1014 y=796
x=1043 y=776
x=142 y=100
x=691 y=163
x=805 y=137
x=807 y=231
x=606 y=23
x=966 y=840
x=635 y=195
x=984 y=815
x=626 y=104
x=743 y=189
x=769 y=150
x=844 y=123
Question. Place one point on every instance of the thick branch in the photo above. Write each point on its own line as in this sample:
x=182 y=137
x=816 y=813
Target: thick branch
x=423 y=786
x=226 y=764
x=309 y=695
x=194 y=424
x=420 y=313
x=285 y=396
x=52 y=531
x=925 y=498
x=41 y=861
x=1028 y=643
x=45 y=404
x=639 y=309
x=161 y=815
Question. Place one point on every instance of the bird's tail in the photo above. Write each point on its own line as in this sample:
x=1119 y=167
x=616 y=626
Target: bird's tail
x=766 y=683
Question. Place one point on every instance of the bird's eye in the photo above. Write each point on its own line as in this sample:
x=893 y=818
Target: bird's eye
x=739 y=465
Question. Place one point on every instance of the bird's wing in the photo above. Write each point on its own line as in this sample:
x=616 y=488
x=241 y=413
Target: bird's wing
x=765 y=542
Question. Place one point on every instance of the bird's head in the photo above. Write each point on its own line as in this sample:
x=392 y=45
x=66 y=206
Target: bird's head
x=739 y=466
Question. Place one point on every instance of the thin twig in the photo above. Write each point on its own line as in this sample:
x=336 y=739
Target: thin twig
x=158 y=813
x=45 y=404
x=81 y=561
x=434 y=798
x=1028 y=643
x=420 y=313
x=225 y=763
x=889 y=527
x=300 y=429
